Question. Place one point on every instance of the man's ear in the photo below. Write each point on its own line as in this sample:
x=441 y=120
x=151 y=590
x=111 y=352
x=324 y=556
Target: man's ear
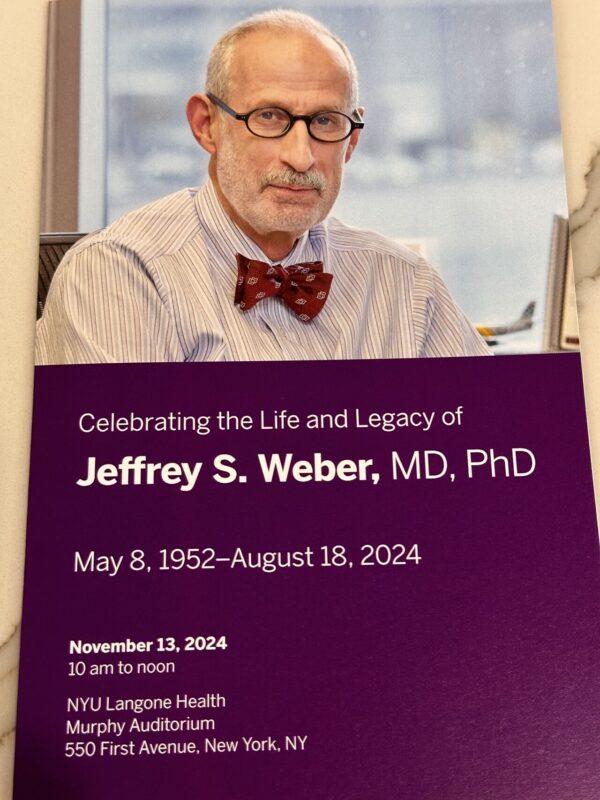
x=353 y=141
x=199 y=110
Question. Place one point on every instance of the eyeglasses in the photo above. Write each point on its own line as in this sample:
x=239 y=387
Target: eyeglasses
x=272 y=122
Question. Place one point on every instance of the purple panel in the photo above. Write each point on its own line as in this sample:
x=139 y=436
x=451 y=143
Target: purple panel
x=472 y=674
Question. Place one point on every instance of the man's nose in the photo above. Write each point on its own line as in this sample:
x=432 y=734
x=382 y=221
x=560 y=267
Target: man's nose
x=296 y=148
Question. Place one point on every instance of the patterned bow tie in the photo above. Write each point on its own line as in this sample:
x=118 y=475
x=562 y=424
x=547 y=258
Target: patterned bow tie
x=302 y=287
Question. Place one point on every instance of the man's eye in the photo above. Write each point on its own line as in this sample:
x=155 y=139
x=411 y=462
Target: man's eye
x=270 y=115
x=330 y=121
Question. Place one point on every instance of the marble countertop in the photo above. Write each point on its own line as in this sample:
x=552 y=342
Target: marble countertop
x=22 y=35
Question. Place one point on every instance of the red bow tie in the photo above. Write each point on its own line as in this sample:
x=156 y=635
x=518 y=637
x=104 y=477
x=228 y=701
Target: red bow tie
x=302 y=287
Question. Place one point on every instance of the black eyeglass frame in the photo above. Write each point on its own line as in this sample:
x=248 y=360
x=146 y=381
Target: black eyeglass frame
x=293 y=118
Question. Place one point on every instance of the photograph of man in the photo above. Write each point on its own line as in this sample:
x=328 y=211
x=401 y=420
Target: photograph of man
x=250 y=266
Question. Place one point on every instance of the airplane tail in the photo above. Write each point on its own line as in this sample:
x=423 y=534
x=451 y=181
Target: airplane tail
x=528 y=311
x=524 y=322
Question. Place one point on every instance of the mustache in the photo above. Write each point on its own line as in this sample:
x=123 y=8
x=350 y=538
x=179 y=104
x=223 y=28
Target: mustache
x=288 y=177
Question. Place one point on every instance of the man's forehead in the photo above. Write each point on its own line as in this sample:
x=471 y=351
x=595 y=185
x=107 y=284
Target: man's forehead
x=288 y=61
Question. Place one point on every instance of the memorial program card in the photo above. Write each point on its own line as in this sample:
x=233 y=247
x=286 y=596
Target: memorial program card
x=349 y=555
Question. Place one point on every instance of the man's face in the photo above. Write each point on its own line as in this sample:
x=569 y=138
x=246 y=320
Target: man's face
x=284 y=185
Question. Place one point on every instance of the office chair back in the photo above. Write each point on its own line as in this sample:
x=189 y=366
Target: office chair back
x=53 y=247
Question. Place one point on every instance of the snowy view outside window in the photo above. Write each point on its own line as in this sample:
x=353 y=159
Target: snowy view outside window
x=461 y=147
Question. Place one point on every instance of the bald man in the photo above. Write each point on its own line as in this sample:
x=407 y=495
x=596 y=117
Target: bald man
x=250 y=266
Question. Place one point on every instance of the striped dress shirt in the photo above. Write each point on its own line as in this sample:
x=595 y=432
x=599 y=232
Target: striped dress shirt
x=159 y=283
